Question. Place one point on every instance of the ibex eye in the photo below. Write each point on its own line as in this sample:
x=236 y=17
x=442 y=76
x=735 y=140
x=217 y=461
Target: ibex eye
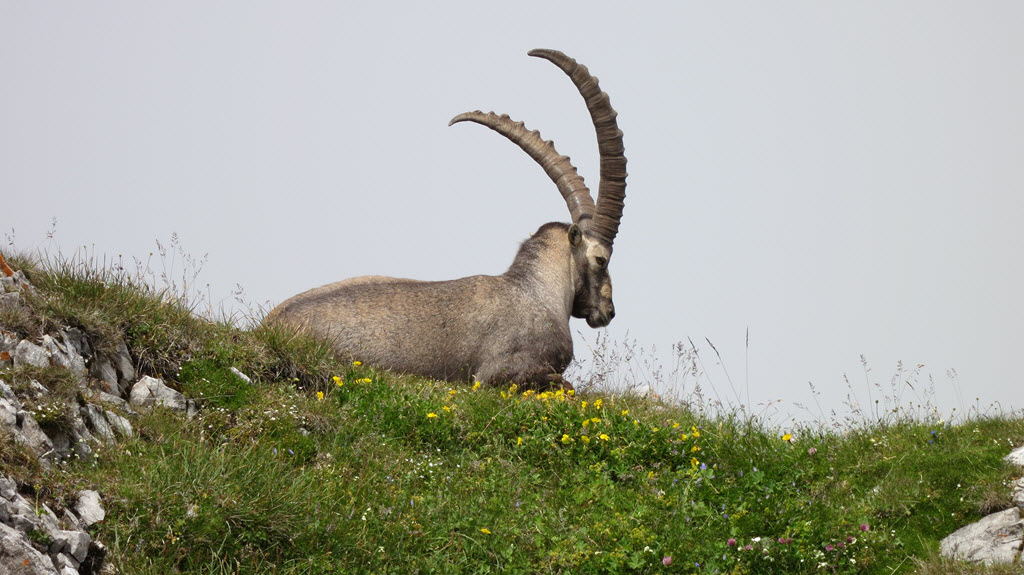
x=601 y=262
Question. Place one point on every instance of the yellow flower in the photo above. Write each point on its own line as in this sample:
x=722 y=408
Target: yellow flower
x=694 y=449
x=695 y=462
x=583 y=405
x=684 y=437
x=485 y=531
x=636 y=423
x=584 y=439
x=597 y=404
x=519 y=441
x=431 y=415
x=695 y=432
x=320 y=396
x=595 y=420
x=512 y=388
x=787 y=437
x=446 y=408
x=586 y=422
x=624 y=413
x=357 y=363
x=367 y=380
x=603 y=437
x=337 y=380
x=675 y=425
x=476 y=386
x=571 y=392
x=566 y=439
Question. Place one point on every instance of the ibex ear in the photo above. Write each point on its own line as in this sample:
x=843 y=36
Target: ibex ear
x=575 y=235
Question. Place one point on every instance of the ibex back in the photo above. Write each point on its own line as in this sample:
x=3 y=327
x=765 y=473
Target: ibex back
x=508 y=328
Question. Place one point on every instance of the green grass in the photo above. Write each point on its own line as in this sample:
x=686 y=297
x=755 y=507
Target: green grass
x=395 y=474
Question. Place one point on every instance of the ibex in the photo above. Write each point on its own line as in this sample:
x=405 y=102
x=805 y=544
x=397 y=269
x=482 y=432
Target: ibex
x=508 y=328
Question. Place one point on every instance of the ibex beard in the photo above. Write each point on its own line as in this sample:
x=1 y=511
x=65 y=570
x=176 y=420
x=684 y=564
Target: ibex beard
x=513 y=327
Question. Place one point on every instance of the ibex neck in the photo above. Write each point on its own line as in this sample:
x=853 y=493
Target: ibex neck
x=543 y=266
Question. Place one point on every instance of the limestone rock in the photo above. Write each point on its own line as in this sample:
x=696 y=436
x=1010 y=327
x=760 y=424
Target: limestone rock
x=150 y=391
x=94 y=418
x=63 y=353
x=36 y=440
x=241 y=375
x=1018 y=493
x=89 y=508
x=118 y=424
x=8 y=413
x=1016 y=457
x=18 y=557
x=995 y=539
x=28 y=353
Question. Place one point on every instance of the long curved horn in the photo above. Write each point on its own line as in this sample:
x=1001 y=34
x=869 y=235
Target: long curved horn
x=558 y=167
x=611 y=190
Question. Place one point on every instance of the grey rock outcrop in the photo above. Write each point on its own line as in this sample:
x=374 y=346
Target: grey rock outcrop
x=997 y=538
x=33 y=540
x=151 y=392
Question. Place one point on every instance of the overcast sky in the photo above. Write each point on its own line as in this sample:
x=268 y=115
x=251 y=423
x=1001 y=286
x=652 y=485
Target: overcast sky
x=843 y=179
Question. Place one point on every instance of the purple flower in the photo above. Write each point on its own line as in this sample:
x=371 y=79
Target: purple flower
x=849 y=539
x=864 y=527
x=731 y=542
x=829 y=547
x=748 y=547
x=666 y=561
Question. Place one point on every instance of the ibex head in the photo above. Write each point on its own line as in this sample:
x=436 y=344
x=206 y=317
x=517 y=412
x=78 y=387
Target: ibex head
x=594 y=226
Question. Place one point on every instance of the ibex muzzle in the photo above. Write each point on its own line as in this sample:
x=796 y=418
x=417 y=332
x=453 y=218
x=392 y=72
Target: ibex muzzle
x=508 y=328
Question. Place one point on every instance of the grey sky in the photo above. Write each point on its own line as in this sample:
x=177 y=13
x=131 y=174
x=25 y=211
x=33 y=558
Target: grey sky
x=843 y=178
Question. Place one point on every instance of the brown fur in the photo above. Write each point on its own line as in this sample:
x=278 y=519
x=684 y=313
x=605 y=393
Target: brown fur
x=513 y=327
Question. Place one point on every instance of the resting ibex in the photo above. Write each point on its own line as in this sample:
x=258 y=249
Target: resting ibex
x=508 y=328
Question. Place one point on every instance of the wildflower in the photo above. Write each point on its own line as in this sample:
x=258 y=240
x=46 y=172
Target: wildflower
x=485 y=531
x=597 y=404
x=513 y=388
x=624 y=413
x=583 y=405
x=357 y=363
x=603 y=437
x=829 y=547
x=431 y=415
x=571 y=392
x=694 y=461
x=811 y=451
x=666 y=561
x=366 y=380
x=338 y=381
x=451 y=392
x=519 y=441
x=595 y=420
x=586 y=422
x=446 y=408
x=731 y=542
x=787 y=437
x=320 y=396
x=636 y=422
x=693 y=430
x=584 y=439
x=864 y=527
x=566 y=439
x=850 y=539
x=476 y=386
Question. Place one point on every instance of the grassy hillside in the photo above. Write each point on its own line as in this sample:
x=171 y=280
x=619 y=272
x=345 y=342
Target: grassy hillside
x=322 y=466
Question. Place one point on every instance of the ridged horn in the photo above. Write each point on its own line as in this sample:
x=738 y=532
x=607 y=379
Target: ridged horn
x=558 y=167
x=611 y=191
